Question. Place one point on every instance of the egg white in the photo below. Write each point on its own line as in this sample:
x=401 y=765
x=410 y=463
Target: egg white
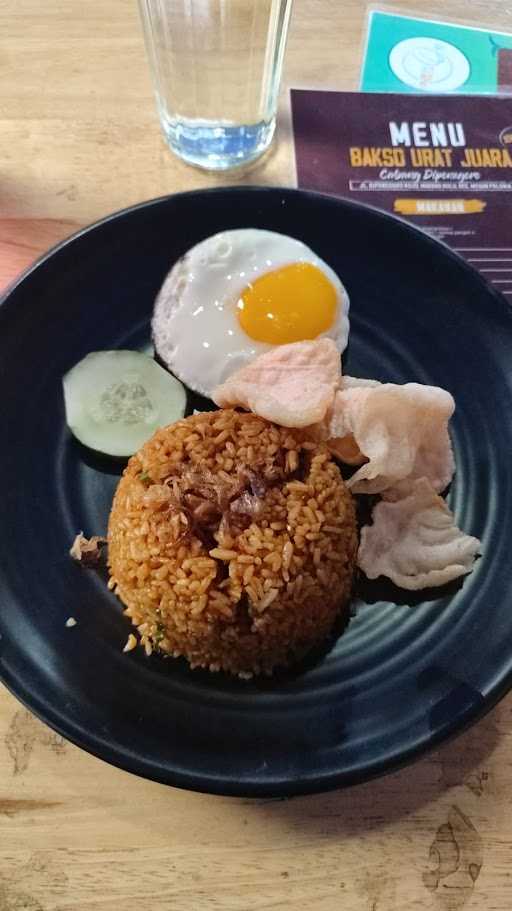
x=195 y=323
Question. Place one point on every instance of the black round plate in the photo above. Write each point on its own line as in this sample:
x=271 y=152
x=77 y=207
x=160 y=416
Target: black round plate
x=408 y=671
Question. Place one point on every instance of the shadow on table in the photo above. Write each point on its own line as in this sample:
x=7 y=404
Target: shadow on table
x=458 y=773
x=365 y=807
x=460 y=765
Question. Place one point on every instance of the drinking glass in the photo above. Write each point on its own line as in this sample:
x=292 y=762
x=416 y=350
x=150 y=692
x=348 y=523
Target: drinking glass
x=216 y=67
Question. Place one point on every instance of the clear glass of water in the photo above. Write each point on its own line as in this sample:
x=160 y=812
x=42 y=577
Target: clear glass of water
x=216 y=67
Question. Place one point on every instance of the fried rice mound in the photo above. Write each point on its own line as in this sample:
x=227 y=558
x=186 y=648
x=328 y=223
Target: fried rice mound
x=232 y=542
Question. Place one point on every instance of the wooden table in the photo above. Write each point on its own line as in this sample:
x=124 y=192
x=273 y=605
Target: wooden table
x=78 y=139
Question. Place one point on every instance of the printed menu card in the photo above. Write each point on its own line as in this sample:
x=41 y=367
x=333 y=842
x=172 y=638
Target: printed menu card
x=444 y=162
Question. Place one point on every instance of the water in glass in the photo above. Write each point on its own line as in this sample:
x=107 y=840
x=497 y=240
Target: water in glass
x=216 y=67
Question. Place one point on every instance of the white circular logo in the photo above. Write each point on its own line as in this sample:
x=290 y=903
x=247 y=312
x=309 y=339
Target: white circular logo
x=429 y=65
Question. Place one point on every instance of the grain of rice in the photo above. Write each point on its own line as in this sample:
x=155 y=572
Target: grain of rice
x=269 y=598
x=220 y=553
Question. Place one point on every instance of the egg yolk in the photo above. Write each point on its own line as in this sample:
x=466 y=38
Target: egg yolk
x=291 y=304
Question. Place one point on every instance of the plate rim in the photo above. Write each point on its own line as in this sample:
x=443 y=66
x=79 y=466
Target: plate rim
x=283 y=788
x=256 y=189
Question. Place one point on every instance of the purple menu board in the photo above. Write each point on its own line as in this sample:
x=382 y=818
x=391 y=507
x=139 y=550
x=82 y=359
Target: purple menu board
x=442 y=162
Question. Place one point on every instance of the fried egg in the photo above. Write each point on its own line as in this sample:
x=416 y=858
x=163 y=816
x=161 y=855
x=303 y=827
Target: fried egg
x=238 y=294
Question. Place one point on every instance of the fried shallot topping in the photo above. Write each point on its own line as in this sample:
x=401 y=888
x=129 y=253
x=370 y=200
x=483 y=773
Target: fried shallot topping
x=87 y=551
x=209 y=502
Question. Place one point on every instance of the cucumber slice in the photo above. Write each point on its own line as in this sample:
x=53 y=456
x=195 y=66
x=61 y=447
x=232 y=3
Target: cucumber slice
x=115 y=400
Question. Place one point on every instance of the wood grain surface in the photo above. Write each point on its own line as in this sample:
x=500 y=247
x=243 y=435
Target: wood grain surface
x=79 y=138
